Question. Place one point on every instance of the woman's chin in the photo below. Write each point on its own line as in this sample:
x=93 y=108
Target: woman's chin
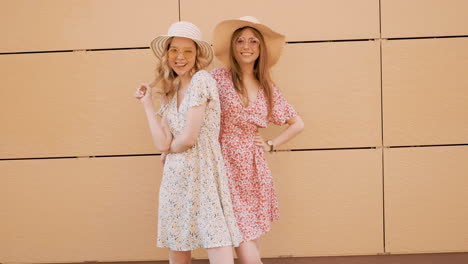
x=181 y=72
x=246 y=61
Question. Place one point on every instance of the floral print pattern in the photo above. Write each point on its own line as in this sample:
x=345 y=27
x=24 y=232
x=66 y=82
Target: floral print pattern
x=195 y=209
x=250 y=180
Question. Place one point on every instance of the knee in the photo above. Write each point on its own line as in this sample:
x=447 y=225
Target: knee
x=250 y=260
x=180 y=258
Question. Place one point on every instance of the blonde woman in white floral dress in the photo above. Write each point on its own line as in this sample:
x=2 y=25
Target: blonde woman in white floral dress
x=195 y=209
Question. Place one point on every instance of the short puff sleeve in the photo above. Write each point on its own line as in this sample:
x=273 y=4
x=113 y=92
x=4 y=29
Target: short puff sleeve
x=281 y=111
x=201 y=89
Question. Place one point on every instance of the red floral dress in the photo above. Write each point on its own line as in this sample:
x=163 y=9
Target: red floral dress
x=251 y=183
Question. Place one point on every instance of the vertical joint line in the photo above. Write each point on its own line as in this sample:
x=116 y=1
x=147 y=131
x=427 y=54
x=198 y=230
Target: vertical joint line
x=382 y=130
x=179 y=9
x=383 y=202
x=383 y=146
x=380 y=18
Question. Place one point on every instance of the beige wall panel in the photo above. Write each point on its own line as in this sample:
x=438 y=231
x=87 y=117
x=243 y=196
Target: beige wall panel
x=421 y=18
x=27 y=25
x=105 y=209
x=335 y=87
x=75 y=210
x=425 y=91
x=426 y=199
x=299 y=20
x=330 y=203
x=73 y=104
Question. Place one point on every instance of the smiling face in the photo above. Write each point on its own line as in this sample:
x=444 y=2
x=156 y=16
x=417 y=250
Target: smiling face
x=246 y=47
x=182 y=54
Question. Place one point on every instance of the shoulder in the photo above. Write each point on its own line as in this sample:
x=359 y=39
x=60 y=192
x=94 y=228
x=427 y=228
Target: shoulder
x=202 y=75
x=277 y=96
x=220 y=73
x=204 y=84
x=276 y=91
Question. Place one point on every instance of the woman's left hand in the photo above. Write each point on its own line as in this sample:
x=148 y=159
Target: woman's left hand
x=259 y=141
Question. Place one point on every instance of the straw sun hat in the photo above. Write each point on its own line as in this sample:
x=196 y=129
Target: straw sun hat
x=185 y=30
x=223 y=32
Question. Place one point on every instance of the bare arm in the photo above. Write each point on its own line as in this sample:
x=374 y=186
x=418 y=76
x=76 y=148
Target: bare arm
x=295 y=126
x=282 y=113
x=159 y=128
x=188 y=137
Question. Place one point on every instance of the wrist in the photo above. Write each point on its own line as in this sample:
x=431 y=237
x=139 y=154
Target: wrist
x=270 y=145
x=149 y=108
x=147 y=104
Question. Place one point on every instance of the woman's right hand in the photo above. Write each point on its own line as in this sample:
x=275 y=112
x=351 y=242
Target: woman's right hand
x=143 y=93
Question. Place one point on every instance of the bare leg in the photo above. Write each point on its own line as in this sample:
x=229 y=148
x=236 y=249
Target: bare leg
x=257 y=243
x=220 y=255
x=180 y=257
x=249 y=252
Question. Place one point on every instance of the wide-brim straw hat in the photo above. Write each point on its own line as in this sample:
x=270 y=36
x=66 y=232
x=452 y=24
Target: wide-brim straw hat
x=182 y=29
x=223 y=32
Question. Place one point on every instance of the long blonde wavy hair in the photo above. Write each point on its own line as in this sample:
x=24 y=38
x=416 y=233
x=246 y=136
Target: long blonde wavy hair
x=166 y=81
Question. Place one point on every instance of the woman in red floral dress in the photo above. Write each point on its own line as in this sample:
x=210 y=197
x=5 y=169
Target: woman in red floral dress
x=249 y=101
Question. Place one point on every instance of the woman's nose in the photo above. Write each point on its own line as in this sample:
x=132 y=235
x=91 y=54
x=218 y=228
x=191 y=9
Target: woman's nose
x=180 y=55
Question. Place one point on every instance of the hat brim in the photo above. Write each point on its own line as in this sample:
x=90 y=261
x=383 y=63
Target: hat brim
x=222 y=35
x=158 y=46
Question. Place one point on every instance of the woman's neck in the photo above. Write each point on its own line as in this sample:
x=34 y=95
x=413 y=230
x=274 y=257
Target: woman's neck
x=184 y=81
x=247 y=72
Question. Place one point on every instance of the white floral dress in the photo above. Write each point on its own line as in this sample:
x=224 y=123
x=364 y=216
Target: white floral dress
x=195 y=209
